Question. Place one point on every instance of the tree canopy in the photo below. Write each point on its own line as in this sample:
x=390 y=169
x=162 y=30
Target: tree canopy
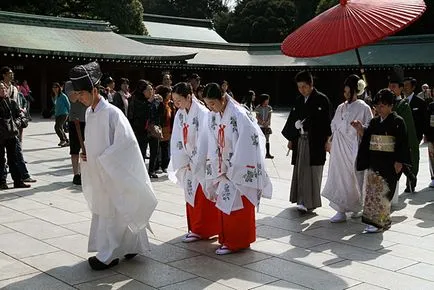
x=252 y=21
x=257 y=21
x=125 y=15
x=203 y=9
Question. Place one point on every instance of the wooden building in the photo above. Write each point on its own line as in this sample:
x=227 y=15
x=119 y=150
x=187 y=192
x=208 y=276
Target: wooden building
x=42 y=49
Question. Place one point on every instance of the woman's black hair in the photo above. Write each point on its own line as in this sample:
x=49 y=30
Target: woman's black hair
x=262 y=98
x=385 y=97
x=141 y=86
x=248 y=100
x=352 y=83
x=57 y=85
x=212 y=91
x=183 y=89
x=163 y=91
x=125 y=81
x=108 y=80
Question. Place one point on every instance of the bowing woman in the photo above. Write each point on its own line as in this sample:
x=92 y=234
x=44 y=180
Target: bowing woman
x=188 y=147
x=235 y=169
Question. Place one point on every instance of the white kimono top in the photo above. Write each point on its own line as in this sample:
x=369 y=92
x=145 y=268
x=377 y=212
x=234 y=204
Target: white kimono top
x=115 y=181
x=344 y=183
x=236 y=158
x=188 y=148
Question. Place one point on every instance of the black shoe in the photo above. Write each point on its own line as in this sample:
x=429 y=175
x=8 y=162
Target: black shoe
x=269 y=156
x=3 y=186
x=97 y=265
x=21 y=185
x=29 y=179
x=129 y=256
x=153 y=175
x=77 y=179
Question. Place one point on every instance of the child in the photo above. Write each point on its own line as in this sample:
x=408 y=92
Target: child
x=263 y=115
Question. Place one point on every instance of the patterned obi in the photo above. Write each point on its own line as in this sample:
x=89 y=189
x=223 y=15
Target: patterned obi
x=383 y=143
x=431 y=121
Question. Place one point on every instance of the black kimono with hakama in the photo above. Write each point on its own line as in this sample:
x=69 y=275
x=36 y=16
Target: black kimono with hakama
x=383 y=143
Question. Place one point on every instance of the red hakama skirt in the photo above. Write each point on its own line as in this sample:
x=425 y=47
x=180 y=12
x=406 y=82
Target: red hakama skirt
x=238 y=229
x=202 y=219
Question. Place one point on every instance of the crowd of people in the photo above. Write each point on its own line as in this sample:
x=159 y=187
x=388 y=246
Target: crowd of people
x=371 y=142
x=217 y=155
x=215 y=148
x=15 y=99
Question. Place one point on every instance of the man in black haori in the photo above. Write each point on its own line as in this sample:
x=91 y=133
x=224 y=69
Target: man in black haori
x=307 y=131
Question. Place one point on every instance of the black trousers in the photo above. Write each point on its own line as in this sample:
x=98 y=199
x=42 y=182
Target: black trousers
x=9 y=147
x=165 y=154
x=59 y=127
x=153 y=143
x=19 y=160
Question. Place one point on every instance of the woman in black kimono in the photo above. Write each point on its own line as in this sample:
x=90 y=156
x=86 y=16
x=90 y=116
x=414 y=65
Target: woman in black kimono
x=383 y=152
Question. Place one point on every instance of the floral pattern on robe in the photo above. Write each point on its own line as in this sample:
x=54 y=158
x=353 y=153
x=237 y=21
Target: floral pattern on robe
x=236 y=159
x=188 y=150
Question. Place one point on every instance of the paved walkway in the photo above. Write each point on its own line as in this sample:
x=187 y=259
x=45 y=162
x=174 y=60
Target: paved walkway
x=43 y=237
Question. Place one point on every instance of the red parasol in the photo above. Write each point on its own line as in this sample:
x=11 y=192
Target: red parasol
x=351 y=24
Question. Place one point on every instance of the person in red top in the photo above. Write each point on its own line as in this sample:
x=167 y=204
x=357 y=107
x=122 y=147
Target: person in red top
x=168 y=116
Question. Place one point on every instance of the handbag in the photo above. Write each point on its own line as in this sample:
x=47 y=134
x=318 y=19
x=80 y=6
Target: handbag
x=267 y=131
x=155 y=131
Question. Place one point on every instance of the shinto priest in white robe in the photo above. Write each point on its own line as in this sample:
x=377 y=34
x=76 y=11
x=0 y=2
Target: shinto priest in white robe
x=116 y=185
x=188 y=147
x=236 y=159
x=344 y=184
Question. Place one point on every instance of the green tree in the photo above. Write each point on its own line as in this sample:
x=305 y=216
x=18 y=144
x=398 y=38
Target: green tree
x=203 y=9
x=125 y=15
x=259 y=21
x=323 y=5
x=305 y=11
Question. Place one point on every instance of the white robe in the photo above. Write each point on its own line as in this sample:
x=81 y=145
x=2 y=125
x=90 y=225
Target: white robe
x=116 y=185
x=188 y=157
x=238 y=167
x=344 y=184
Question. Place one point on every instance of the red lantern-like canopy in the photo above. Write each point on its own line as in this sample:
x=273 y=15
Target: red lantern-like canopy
x=351 y=24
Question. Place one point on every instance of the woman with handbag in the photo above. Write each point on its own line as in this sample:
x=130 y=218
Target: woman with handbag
x=263 y=115
x=144 y=115
x=11 y=120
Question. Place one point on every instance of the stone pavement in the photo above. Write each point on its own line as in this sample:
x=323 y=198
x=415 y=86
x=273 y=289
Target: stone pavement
x=43 y=237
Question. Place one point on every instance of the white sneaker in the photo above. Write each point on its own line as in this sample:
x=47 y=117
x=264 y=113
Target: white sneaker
x=301 y=207
x=339 y=217
x=431 y=184
x=356 y=215
x=371 y=229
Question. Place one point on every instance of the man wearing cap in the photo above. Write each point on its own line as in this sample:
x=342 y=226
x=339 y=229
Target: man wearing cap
x=402 y=108
x=114 y=177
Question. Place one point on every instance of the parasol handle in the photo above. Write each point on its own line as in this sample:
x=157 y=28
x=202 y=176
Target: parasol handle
x=362 y=70
x=80 y=138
